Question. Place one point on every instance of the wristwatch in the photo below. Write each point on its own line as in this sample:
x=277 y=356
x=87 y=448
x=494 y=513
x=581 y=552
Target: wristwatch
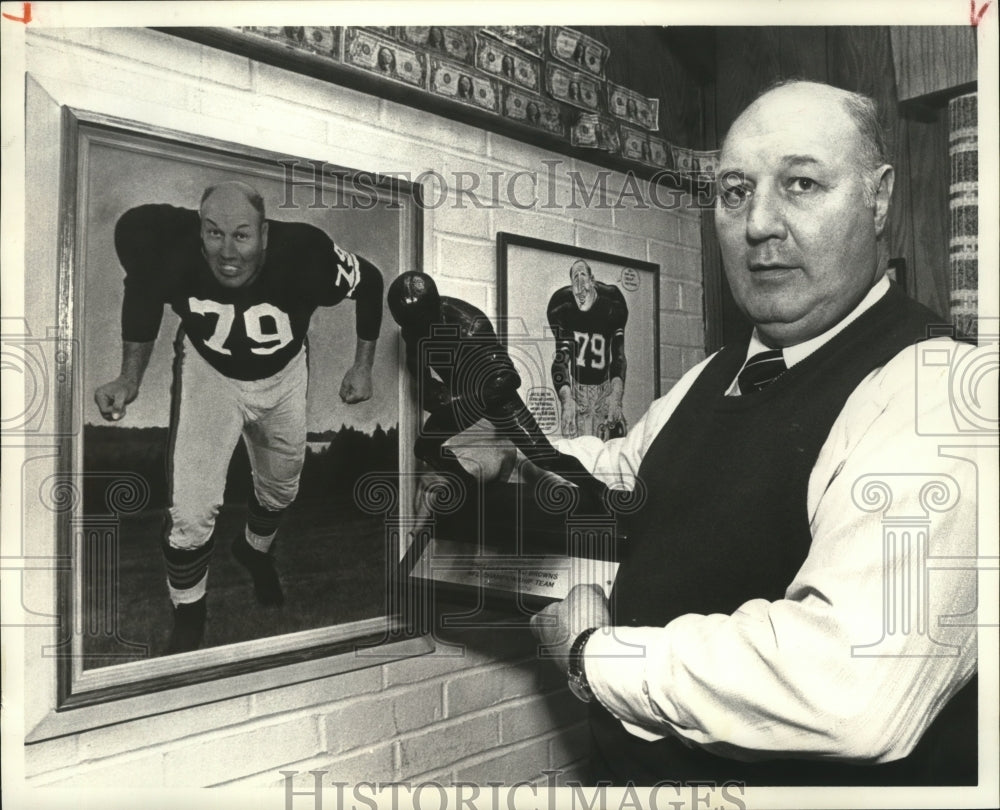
x=577 y=677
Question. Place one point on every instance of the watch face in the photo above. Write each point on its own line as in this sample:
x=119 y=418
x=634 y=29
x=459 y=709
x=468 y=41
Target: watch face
x=579 y=690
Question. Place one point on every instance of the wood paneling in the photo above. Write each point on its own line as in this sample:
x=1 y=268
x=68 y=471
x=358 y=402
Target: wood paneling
x=930 y=60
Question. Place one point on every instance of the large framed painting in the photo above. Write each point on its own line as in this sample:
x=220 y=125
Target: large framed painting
x=336 y=559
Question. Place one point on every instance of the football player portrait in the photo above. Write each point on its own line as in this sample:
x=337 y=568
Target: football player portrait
x=588 y=321
x=244 y=288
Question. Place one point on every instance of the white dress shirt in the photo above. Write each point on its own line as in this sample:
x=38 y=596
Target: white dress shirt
x=801 y=675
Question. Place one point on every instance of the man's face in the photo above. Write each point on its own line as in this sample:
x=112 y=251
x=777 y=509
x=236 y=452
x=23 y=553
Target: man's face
x=234 y=237
x=797 y=235
x=583 y=286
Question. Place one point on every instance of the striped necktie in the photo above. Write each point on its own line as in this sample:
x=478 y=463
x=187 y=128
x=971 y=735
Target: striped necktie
x=760 y=371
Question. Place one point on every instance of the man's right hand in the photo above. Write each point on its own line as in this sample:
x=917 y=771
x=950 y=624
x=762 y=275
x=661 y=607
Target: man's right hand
x=567 y=421
x=112 y=397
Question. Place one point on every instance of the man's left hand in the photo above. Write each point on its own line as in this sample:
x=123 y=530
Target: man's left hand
x=558 y=624
x=357 y=384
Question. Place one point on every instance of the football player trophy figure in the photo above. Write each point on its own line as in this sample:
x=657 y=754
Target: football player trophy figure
x=475 y=380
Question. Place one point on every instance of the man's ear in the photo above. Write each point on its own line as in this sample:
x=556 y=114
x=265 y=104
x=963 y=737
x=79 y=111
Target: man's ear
x=884 y=178
x=263 y=235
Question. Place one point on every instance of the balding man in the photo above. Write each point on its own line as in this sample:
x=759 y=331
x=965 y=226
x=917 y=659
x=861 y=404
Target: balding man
x=773 y=621
x=245 y=289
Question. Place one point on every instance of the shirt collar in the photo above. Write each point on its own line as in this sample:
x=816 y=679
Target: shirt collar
x=800 y=351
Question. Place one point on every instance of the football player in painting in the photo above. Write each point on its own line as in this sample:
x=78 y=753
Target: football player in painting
x=588 y=320
x=244 y=288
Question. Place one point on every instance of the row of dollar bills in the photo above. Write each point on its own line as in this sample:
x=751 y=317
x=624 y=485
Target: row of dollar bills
x=501 y=69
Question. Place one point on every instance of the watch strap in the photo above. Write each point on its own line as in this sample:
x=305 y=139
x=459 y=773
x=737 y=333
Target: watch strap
x=577 y=675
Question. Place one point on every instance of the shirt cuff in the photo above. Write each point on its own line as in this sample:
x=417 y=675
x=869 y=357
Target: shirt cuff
x=615 y=665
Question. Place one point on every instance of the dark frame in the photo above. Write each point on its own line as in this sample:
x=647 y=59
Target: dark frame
x=346 y=644
x=509 y=318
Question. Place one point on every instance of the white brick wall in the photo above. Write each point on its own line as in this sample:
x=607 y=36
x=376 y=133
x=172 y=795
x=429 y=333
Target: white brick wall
x=494 y=713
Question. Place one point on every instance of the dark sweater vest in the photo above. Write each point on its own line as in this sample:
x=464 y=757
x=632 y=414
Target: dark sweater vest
x=726 y=521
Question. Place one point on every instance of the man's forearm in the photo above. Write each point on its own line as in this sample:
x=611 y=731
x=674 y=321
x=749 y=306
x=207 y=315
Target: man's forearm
x=135 y=360
x=364 y=353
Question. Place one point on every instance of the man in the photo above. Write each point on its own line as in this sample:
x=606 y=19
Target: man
x=465 y=375
x=742 y=637
x=245 y=289
x=588 y=372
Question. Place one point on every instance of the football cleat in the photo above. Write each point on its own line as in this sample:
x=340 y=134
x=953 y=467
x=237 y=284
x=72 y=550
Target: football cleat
x=266 y=585
x=189 y=627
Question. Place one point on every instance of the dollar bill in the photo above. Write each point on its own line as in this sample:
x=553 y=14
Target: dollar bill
x=456 y=81
x=368 y=51
x=573 y=87
x=533 y=111
x=683 y=158
x=578 y=49
x=705 y=162
x=595 y=132
x=455 y=42
x=528 y=38
x=659 y=151
x=634 y=107
x=324 y=40
x=508 y=63
x=635 y=144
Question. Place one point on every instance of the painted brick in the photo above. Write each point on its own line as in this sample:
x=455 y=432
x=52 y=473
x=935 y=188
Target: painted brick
x=123 y=79
x=309 y=92
x=520 y=154
x=301 y=779
x=376 y=763
x=511 y=765
x=447 y=742
x=692 y=357
x=242 y=753
x=272 y=115
x=570 y=745
x=466 y=258
x=443 y=132
x=691 y=297
x=483 y=296
x=144 y=771
x=672 y=362
x=470 y=221
x=678 y=329
x=670 y=295
x=537 y=715
x=675 y=261
x=644 y=217
x=161 y=728
x=365 y=722
x=478 y=690
x=689 y=232
x=153 y=47
x=536 y=222
x=49 y=755
x=610 y=242
x=313 y=693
